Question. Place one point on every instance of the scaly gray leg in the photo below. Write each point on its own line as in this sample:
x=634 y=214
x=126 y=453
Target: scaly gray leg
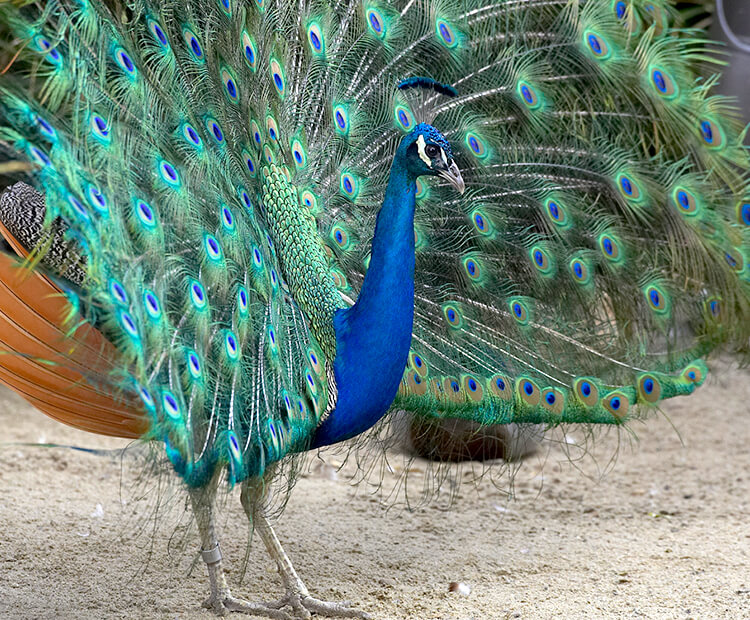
x=221 y=599
x=254 y=497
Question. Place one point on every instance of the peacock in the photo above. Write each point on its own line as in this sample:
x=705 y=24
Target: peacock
x=246 y=230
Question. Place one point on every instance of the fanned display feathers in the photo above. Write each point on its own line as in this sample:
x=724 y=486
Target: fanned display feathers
x=218 y=165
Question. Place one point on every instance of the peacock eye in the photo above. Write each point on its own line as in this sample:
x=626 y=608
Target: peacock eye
x=431 y=151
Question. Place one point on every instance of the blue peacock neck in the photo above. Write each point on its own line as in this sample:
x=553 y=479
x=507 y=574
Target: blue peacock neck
x=373 y=336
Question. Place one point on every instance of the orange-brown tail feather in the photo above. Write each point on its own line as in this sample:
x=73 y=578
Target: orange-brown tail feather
x=67 y=376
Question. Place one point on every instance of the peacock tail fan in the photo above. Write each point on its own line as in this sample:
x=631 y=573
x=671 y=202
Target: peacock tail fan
x=220 y=165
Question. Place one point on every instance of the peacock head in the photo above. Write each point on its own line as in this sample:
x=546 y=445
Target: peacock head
x=429 y=153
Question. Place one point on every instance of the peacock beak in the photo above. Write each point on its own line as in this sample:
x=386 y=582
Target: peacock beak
x=453 y=175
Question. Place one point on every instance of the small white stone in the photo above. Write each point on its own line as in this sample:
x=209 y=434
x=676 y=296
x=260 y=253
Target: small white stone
x=459 y=588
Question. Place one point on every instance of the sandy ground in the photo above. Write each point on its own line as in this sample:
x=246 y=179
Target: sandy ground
x=664 y=534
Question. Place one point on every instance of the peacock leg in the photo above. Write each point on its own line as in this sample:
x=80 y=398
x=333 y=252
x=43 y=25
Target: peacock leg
x=254 y=497
x=221 y=599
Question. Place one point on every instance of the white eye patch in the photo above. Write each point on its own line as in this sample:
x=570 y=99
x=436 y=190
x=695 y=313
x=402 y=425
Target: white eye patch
x=422 y=155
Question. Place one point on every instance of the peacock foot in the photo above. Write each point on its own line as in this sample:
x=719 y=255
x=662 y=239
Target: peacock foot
x=304 y=605
x=222 y=603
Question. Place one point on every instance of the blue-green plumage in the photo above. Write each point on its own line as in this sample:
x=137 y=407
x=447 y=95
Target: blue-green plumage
x=257 y=202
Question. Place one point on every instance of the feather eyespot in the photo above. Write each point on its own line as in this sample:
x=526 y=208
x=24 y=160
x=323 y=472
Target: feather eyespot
x=272 y=128
x=52 y=54
x=231 y=345
x=743 y=213
x=404 y=118
x=315 y=39
x=476 y=145
x=145 y=214
x=245 y=198
x=198 y=295
x=617 y=403
x=473 y=388
x=685 y=201
x=694 y=374
x=340 y=236
x=529 y=96
x=597 y=45
x=249 y=163
x=169 y=174
x=97 y=199
x=649 y=388
x=152 y=305
x=734 y=258
x=158 y=33
x=520 y=311
x=586 y=391
x=45 y=128
x=194 y=364
x=170 y=406
x=418 y=364
x=713 y=309
x=299 y=154
x=500 y=386
x=376 y=23
x=316 y=362
x=124 y=62
x=482 y=223
x=309 y=200
x=657 y=299
x=230 y=85
x=528 y=391
x=416 y=384
x=341 y=120
x=611 y=248
x=553 y=400
x=191 y=135
x=472 y=268
x=446 y=34
x=453 y=315
x=39 y=156
x=629 y=188
x=452 y=389
x=147 y=399
x=227 y=219
x=711 y=133
x=580 y=271
x=194 y=46
x=268 y=155
x=663 y=83
x=541 y=260
x=215 y=130
x=100 y=128
x=278 y=77
x=234 y=445
x=349 y=185
x=118 y=292
x=249 y=51
x=127 y=322
x=556 y=212
x=213 y=248
x=78 y=208
x=242 y=301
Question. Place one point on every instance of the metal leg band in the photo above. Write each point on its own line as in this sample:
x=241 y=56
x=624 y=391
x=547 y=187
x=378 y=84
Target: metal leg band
x=212 y=556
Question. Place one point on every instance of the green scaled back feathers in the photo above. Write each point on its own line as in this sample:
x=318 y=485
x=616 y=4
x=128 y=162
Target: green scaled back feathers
x=221 y=163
